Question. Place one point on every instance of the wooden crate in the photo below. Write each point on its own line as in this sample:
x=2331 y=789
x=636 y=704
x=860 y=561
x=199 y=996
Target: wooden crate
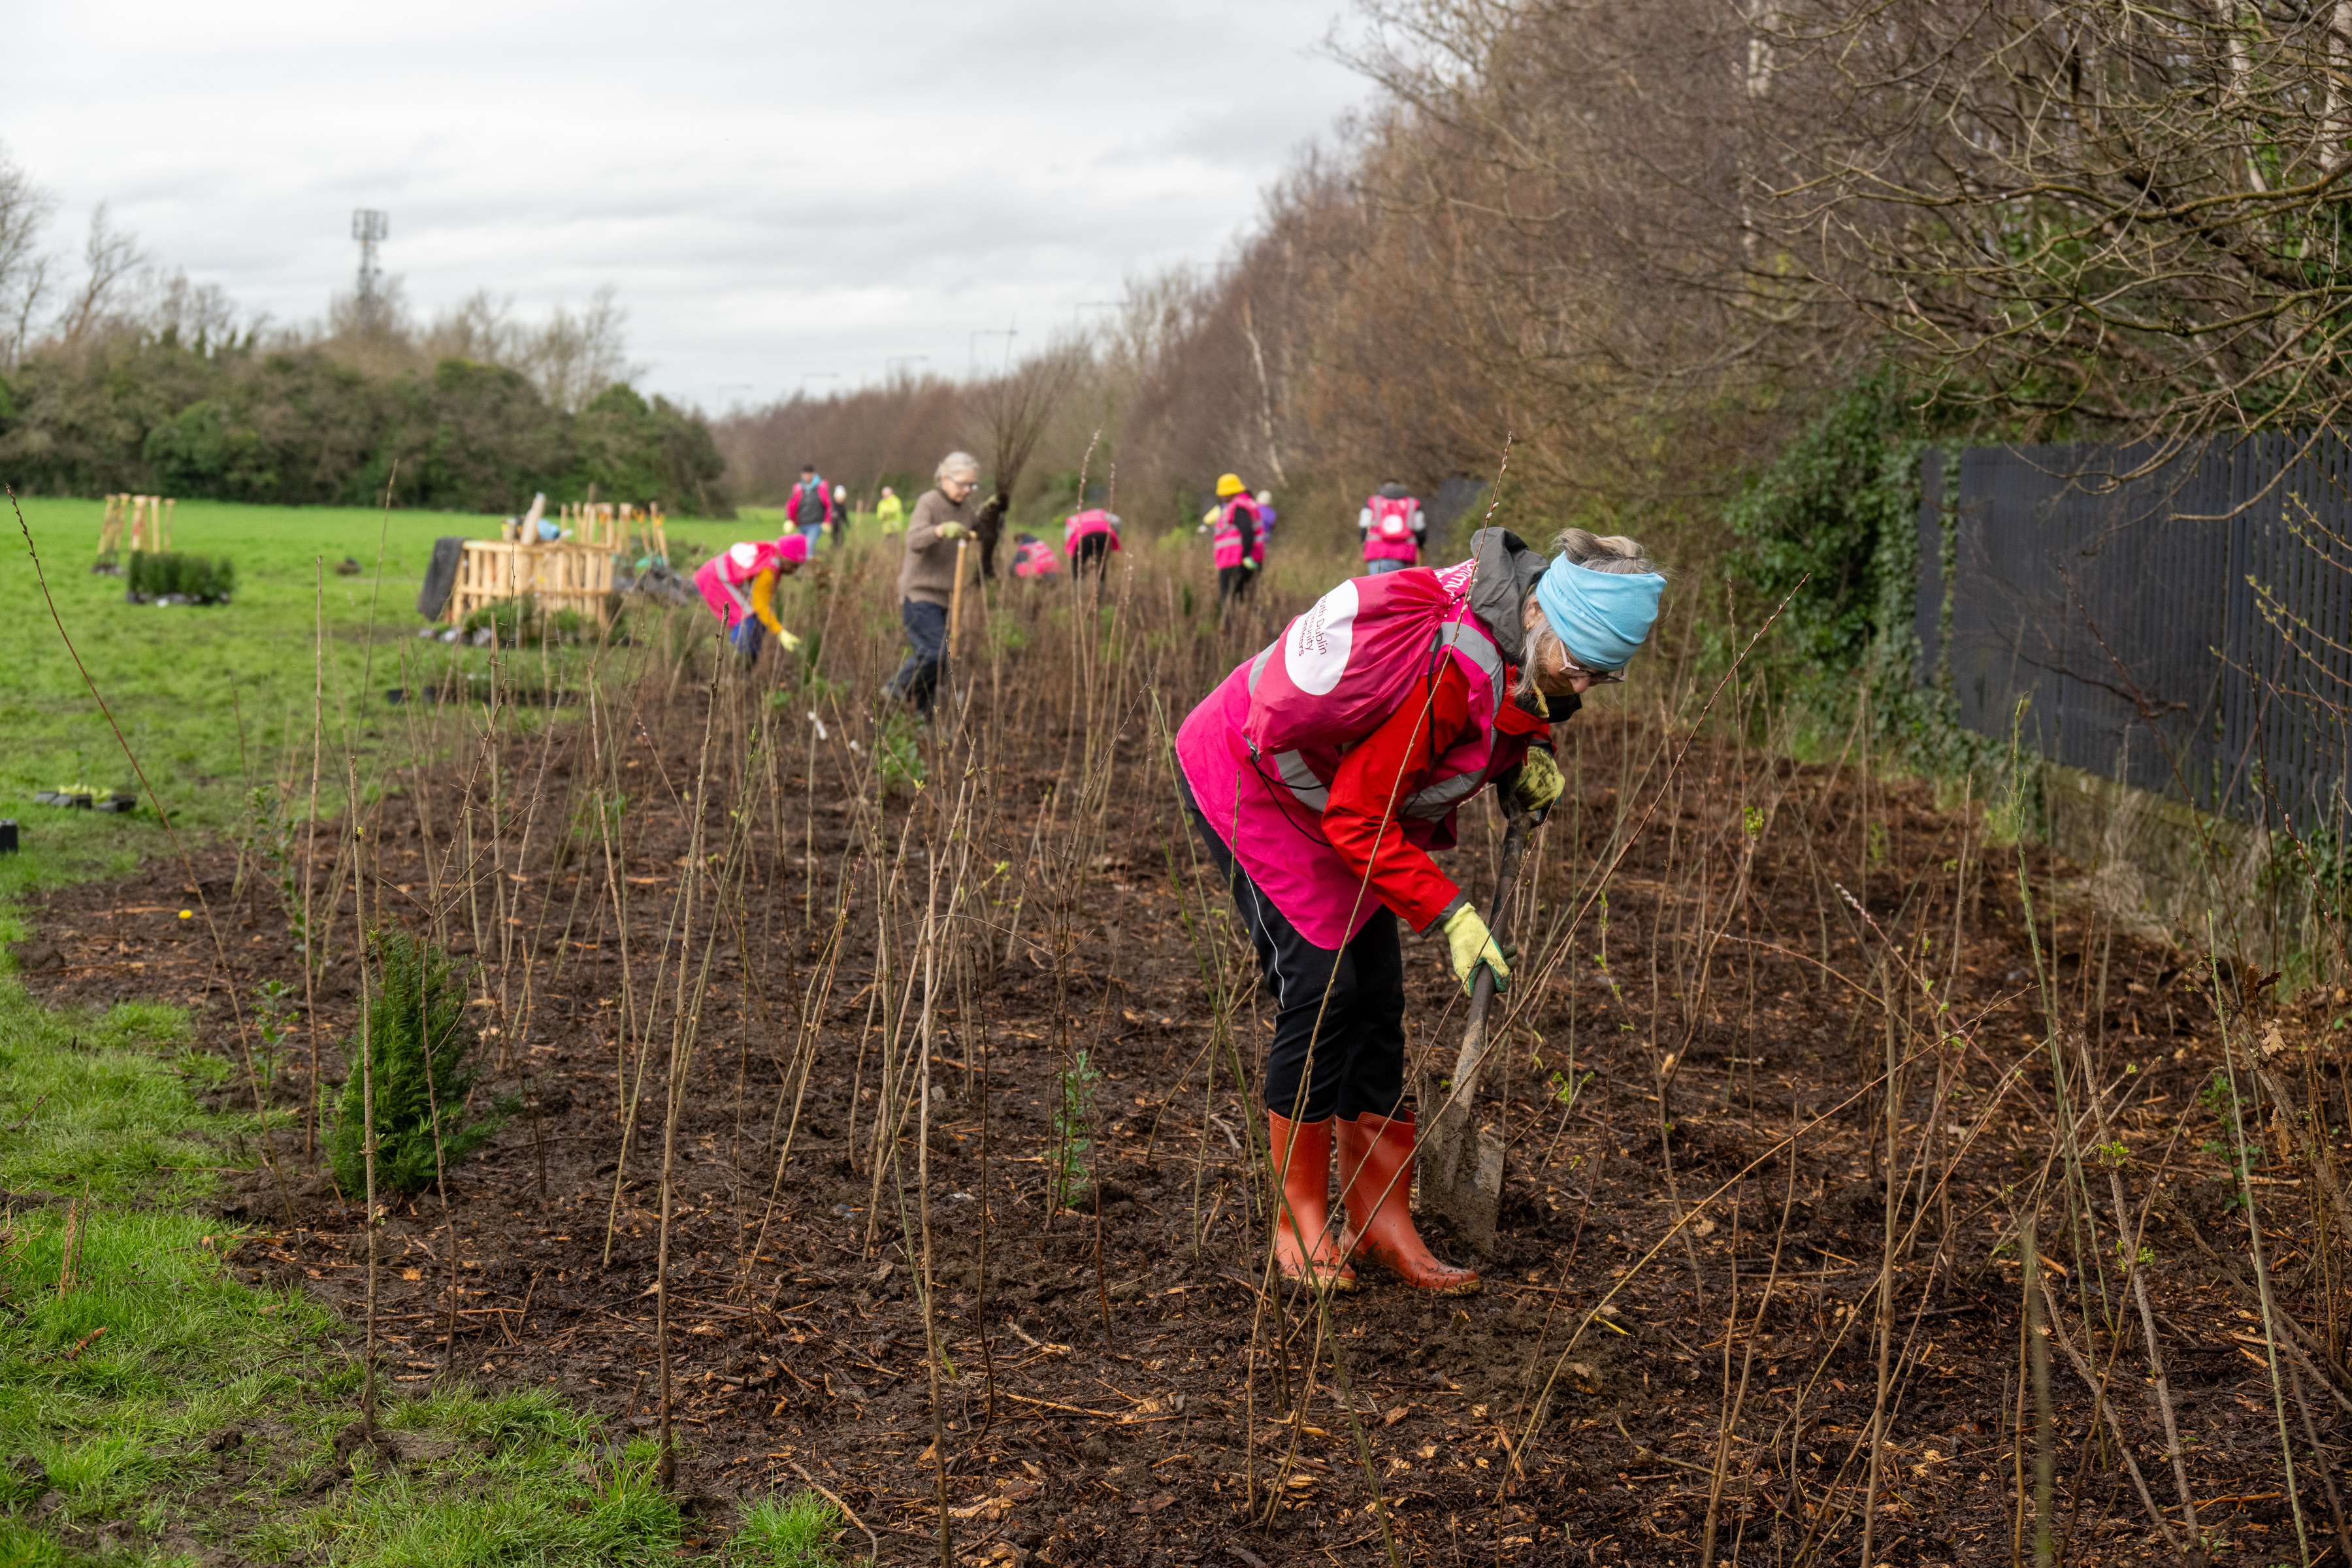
x=624 y=529
x=560 y=576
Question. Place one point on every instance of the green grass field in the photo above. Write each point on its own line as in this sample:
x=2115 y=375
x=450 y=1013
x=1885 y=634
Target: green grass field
x=213 y=699
x=179 y=678
x=120 y=1374
x=151 y=1408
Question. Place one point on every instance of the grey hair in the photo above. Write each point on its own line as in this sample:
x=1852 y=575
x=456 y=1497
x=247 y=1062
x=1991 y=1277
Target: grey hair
x=1611 y=553
x=1541 y=646
x=957 y=463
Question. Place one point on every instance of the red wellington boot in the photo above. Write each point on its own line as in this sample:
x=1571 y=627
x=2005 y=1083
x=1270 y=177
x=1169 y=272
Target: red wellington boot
x=1376 y=1184
x=1302 y=1159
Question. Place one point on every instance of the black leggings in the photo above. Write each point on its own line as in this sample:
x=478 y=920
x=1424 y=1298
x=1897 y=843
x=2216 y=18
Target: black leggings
x=1355 y=1062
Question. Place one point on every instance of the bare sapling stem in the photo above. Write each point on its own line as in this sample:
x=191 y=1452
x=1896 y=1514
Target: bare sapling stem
x=923 y=1203
x=367 y=1213
x=1736 y=1398
x=2158 y=1382
x=2045 y=1435
x=2025 y=1309
x=2056 y=1325
x=979 y=1291
x=311 y=861
x=681 y=1051
x=1891 y=1098
x=2240 y=1161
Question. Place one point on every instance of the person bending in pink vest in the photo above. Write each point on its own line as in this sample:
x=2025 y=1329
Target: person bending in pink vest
x=740 y=585
x=1319 y=775
x=1393 y=527
x=1088 y=539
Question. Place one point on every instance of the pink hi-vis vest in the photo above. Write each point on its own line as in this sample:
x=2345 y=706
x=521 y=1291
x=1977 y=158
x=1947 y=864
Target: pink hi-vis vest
x=1260 y=751
x=726 y=578
x=1391 y=536
x=1034 y=558
x=1080 y=524
x=1225 y=539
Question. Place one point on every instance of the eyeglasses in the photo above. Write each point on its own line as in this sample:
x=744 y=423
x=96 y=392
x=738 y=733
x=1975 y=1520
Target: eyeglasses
x=1591 y=677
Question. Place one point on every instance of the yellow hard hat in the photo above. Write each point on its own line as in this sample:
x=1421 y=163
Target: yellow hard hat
x=1230 y=484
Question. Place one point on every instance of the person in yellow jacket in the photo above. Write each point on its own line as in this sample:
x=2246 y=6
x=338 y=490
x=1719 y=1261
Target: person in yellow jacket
x=740 y=585
x=891 y=511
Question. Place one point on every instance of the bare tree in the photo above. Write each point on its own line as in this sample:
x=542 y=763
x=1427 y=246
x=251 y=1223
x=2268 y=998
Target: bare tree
x=482 y=329
x=573 y=358
x=172 y=306
x=110 y=257
x=24 y=209
x=2085 y=213
x=1010 y=411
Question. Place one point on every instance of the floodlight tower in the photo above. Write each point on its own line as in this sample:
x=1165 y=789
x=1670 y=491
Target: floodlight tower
x=370 y=227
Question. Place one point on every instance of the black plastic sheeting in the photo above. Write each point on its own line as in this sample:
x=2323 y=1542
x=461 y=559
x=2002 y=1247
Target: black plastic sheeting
x=440 y=577
x=2188 y=632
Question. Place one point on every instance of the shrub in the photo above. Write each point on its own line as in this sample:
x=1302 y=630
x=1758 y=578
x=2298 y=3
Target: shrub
x=516 y=622
x=780 y=1531
x=422 y=1051
x=202 y=579
x=898 y=752
x=525 y=623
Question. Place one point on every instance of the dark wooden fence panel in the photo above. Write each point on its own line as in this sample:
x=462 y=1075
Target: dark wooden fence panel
x=2188 y=631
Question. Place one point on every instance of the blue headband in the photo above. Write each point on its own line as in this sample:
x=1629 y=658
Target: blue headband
x=1602 y=617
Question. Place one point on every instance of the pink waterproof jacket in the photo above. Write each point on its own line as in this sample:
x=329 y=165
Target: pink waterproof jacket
x=726 y=578
x=1260 y=750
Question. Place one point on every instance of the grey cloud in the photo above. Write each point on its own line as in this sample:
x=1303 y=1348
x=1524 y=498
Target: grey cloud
x=774 y=191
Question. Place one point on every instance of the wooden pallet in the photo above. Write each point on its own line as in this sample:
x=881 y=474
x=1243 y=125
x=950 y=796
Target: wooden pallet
x=624 y=529
x=147 y=519
x=560 y=576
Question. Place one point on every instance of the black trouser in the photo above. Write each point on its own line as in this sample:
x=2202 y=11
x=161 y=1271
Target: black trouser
x=1354 y=1061
x=927 y=640
x=1235 y=583
x=1094 y=550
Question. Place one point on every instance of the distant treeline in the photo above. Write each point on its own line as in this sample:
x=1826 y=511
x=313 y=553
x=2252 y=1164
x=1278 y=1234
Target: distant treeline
x=305 y=426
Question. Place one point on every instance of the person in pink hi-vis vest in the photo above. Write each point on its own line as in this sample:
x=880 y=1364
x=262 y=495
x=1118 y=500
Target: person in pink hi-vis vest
x=1088 y=537
x=1234 y=543
x=1393 y=529
x=1033 y=557
x=739 y=583
x=1319 y=775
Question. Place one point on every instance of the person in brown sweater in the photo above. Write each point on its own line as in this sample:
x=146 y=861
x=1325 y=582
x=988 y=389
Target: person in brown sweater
x=926 y=577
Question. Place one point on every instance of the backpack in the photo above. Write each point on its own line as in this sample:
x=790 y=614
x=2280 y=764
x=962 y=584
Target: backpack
x=1393 y=515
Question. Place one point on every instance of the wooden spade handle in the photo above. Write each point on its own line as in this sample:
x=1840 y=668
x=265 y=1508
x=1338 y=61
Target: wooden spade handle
x=1482 y=990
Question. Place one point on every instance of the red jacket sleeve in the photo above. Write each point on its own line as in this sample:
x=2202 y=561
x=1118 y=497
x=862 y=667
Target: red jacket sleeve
x=1391 y=765
x=1517 y=728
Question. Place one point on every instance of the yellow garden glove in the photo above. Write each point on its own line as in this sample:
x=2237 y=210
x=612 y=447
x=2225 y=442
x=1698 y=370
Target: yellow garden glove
x=1249 y=565
x=1538 y=783
x=791 y=643
x=951 y=530
x=1472 y=944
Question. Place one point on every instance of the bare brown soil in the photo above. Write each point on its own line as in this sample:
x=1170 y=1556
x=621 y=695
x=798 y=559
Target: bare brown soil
x=1124 y=1386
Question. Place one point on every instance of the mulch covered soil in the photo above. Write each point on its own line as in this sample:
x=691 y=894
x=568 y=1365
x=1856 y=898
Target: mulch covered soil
x=1122 y=1386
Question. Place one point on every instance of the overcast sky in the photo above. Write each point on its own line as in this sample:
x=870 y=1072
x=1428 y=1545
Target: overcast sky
x=777 y=192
